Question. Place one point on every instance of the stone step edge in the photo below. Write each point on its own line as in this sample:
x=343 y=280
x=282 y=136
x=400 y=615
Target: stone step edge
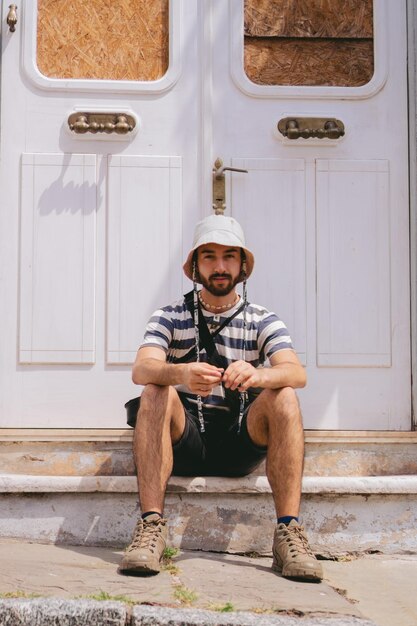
x=51 y=611
x=24 y=483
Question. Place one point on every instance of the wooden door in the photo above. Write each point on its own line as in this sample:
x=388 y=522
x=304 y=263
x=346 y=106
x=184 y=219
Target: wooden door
x=327 y=218
x=92 y=224
x=94 y=227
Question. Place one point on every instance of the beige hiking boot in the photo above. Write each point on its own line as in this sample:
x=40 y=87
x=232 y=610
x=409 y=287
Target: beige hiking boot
x=145 y=552
x=292 y=554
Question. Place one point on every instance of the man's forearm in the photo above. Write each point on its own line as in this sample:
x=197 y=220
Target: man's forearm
x=157 y=372
x=283 y=375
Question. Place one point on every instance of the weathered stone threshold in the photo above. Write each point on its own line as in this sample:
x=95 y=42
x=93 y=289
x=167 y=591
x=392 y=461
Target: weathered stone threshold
x=125 y=434
x=17 y=483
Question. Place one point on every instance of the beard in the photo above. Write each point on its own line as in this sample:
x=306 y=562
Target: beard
x=219 y=290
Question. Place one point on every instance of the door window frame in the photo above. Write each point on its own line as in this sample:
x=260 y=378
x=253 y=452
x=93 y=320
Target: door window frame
x=236 y=22
x=29 y=14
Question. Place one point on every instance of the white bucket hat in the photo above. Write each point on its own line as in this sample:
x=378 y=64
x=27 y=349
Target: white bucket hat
x=222 y=230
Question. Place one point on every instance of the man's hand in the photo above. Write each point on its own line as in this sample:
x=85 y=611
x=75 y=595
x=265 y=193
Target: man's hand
x=241 y=375
x=200 y=378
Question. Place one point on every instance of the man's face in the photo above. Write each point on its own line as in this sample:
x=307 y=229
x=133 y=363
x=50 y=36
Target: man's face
x=219 y=268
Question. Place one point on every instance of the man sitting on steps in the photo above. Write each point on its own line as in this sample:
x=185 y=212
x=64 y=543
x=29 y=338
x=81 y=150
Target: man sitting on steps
x=200 y=361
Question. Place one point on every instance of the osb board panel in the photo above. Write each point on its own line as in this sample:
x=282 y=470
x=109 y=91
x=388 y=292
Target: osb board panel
x=309 y=62
x=103 y=39
x=309 y=18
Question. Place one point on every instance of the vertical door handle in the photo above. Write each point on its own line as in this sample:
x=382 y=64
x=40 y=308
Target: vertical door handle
x=219 y=185
x=12 y=18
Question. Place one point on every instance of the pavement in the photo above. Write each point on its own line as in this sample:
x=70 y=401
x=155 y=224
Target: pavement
x=72 y=585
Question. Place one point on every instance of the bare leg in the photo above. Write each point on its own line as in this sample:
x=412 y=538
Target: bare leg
x=160 y=423
x=274 y=420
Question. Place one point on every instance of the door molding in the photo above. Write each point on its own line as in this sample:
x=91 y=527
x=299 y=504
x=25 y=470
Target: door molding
x=412 y=129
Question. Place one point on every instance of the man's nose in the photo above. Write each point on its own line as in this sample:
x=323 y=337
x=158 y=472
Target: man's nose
x=220 y=266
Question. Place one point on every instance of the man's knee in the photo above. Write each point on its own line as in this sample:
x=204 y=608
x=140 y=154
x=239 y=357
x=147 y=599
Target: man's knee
x=282 y=402
x=152 y=393
x=157 y=399
x=160 y=406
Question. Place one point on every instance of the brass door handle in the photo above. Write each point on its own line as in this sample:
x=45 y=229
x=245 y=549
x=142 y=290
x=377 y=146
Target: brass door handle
x=119 y=123
x=306 y=127
x=219 y=168
x=219 y=185
x=12 y=18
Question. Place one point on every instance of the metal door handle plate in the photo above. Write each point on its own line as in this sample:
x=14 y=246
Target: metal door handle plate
x=219 y=185
x=120 y=123
x=306 y=127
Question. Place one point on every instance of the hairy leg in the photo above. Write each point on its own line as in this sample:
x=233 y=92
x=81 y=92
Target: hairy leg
x=160 y=423
x=275 y=420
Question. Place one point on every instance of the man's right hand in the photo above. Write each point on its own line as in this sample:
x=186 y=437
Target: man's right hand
x=200 y=378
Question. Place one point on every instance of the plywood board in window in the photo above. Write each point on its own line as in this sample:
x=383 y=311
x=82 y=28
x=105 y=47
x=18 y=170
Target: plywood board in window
x=103 y=39
x=309 y=18
x=309 y=61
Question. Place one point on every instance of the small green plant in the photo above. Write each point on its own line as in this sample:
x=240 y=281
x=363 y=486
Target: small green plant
x=169 y=553
x=223 y=608
x=104 y=595
x=184 y=595
x=167 y=564
x=19 y=594
x=171 y=568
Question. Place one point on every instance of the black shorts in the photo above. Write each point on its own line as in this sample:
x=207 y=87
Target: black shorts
x=222 y=450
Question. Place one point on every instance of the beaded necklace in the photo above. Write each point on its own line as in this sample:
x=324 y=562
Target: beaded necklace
x=221 y=307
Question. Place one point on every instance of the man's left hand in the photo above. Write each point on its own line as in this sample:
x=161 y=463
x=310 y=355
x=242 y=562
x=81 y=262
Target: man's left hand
x=241 y=375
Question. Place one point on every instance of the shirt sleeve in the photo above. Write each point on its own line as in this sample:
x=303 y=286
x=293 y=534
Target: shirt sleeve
x=159 y=331
x=273 y=336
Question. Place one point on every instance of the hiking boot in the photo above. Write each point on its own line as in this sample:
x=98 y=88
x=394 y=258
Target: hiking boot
x=293 y=557
x=145 y=552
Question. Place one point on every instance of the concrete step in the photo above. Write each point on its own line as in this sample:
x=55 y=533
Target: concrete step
x=78 y=487
x=342 y=514
x=82 y=452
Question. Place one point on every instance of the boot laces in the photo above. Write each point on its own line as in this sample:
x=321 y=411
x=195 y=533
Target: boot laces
x=297 y=540
x=146 y=534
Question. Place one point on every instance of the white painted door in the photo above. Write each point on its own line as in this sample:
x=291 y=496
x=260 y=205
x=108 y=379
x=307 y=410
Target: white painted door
x=328 y=221
x=94 y=228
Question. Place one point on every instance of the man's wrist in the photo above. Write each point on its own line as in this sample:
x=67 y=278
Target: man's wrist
x=268 y=378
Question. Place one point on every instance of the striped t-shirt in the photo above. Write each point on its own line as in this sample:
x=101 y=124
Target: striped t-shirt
x=172 y=329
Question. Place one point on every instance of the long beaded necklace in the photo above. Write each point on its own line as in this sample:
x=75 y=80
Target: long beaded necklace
x=197 y=348
x=242 y=395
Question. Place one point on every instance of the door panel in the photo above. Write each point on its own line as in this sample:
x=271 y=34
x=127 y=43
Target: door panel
x=58 y=231
x=276 y=232
x=144 y=215
x=353 y=264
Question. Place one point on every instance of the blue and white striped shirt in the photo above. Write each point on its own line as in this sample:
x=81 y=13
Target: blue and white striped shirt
x=172 y=329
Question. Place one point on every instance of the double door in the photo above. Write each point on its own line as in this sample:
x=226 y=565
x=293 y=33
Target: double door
x=94 y=226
